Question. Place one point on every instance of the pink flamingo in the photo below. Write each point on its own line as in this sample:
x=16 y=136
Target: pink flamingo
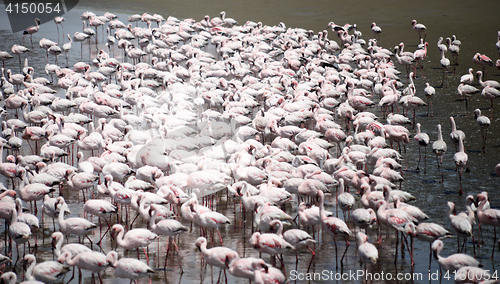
x=439 y=148
x=269 y=243
x=463 y=222
x=376 y=30
x=242 y=267
x=11 y=278
x=364 y=218
x=454 y=261
x=454 y=49
x=46 y=272
x=368 y=253
x=131 y=268
x=269 y=274
x=445 y=63
x=345 y=200
x=419 y=28
x=490 y=93
x=427 y=232
x=483 y=122
x=220 y=257
x=133 y=239
x=488 y=216
x=74 y=249
x=455 y=134
x=460 y=158
x=420 y=55
x=482 y=60
x=299 y=239
x=422 y=140
x=18 y=231
x=467 y=78
x=209 y=219
x=168 y=227
x=334 y=226
x=76 y=225
x=31 y=30
x=483 y=84
x=93 y=261
x=393 y=218
x=100 y=208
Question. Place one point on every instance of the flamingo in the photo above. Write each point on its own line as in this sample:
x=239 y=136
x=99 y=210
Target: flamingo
x=209 y=219
x=492 y=83
x=445 y=63
x=221 y=257
x=368 y=253
x=422 y=140
x=456 y=134
x=299 y=239
x=490 y=93
x=429 y=92
x=273 y=244
x=470 y=274
x=80 y=37
x=466 y=91
x=376 y=30
x=482 y=60
x=439 y=148
x=76 y=225
x=454 y=49
x=488 y=216
x=420 y=55
x=463 y=222
x=92 y=261
x=334 y=226
x=242 y=267
x=26 y=218
x=454 y=261
x=100 y=208
x=364 y=218
x=46 y=272
x=393 y=218
x=460 y=158
x=419 y=28
x=467 y=78
x=67 y=47
x=427 y=232
x=133 y=239
x=18 y=231
x=345 y=200
x=73 y=249
x=170 y=228
x=18 y=50
x=11 y=278
x=132 y=269
x=5 y=56
x=58 y=21
x=31 y=30
x=268 y=275
x=483 y=122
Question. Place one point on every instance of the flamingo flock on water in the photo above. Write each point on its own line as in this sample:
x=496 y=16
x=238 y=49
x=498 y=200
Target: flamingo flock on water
x=274 y=120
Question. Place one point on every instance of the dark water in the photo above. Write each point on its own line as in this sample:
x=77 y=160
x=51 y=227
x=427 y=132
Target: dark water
x=475 y=24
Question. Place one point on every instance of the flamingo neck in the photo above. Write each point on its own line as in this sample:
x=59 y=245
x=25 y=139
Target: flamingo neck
x=440 y=135
x=119 y=237
x=29 y=270
x=57 y=250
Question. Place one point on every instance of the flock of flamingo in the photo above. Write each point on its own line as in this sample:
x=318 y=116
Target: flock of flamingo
x=274 y=120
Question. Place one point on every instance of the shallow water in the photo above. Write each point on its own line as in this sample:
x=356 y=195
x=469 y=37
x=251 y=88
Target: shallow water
x=475 y=25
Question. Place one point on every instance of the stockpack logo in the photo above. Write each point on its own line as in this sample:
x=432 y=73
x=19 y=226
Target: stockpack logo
x=26 y=15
